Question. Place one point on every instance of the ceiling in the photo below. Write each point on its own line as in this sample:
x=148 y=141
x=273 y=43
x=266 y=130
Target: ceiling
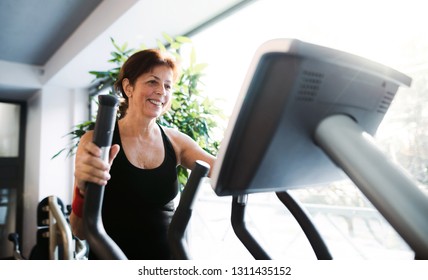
x=60 y=41
x=33 y=30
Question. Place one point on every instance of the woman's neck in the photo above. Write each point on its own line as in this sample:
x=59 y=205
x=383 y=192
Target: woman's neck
x=138 y=127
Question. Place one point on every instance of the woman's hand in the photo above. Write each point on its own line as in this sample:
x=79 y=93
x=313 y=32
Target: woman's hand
x=89 y=167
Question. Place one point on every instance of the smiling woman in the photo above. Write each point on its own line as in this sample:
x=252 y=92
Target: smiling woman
x=192 y=111
x=140 y=176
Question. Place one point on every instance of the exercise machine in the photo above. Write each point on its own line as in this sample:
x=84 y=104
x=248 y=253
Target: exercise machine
x=306 y=115
x=54 y=237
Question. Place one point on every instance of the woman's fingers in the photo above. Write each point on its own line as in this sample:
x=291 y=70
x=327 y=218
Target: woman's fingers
x=89 y=173
x=90 y=167
x=92 y=149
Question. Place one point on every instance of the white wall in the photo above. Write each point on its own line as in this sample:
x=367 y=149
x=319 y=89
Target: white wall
x=56 y=118
x=52 y=113
x=31 y=172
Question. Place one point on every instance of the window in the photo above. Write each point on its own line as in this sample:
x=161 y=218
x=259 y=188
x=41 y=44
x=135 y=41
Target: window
x=9 y=134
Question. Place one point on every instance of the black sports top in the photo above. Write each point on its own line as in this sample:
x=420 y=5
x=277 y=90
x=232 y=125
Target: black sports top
x=138 y=206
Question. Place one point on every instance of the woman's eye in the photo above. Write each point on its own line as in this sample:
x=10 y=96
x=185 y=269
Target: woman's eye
x=168 y=87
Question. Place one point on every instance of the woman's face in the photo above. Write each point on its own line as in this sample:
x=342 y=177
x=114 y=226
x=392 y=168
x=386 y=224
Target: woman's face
x=151 y=93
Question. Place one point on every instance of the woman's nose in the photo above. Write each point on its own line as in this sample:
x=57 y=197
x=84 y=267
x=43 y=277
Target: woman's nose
x=161 y=90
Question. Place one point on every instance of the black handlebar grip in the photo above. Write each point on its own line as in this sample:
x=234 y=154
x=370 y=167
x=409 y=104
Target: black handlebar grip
x=106 y=118
x=99 y=241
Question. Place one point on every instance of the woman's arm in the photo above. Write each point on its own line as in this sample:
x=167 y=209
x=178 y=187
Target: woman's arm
x=188 y=151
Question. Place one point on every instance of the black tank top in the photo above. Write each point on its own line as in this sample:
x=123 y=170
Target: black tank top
x=138 y=206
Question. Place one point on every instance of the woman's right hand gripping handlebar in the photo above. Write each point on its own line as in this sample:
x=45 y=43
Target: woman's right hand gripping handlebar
x=89 y=167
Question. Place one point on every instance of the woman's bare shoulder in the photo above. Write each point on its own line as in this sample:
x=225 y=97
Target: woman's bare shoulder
x=176 y=136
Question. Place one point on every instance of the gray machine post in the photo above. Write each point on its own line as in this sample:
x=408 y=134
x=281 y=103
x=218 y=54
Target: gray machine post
x=59 y=232
x=393 y=192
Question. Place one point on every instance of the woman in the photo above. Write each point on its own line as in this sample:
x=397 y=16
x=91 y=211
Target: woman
x=141 y=176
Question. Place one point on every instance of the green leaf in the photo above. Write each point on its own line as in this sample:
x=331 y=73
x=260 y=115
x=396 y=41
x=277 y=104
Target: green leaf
x=198 y=68
x=167 y=37
x=116 y=46
x=175 y=45
x=183 y=39
x=124 y=47
x=161 y=46
x=57 y=154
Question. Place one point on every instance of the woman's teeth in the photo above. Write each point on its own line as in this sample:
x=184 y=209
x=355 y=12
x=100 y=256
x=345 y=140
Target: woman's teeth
x=156 y=102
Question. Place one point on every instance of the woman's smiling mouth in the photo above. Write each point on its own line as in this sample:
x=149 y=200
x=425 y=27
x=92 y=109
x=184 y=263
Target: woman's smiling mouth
x=156 y=102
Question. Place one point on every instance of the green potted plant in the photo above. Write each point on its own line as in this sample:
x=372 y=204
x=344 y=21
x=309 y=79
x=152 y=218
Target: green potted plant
x=191 y=111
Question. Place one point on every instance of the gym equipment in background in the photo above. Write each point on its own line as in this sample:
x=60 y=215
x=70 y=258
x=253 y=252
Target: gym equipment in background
x=54 y=237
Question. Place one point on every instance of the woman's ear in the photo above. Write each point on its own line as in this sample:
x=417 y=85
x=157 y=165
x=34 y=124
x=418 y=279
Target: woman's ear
x=127 y=87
